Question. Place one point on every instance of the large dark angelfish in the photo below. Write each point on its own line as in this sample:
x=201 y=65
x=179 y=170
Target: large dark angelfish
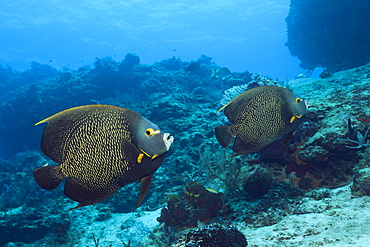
x=100 y=148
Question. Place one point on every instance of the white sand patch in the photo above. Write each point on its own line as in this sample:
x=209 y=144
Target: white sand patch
x=122 y=227
x=337 y=221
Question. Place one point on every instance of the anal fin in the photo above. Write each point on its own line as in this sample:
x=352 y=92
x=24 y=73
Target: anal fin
x=85 y=195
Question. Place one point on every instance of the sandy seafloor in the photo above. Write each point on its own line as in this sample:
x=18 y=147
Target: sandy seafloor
x=337 y=220
x=340 y=220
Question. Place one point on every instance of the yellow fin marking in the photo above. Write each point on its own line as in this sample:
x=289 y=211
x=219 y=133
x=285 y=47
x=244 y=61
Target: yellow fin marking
x=140 y=158
x=294 y=118
x=150 y=156
x=145 y=153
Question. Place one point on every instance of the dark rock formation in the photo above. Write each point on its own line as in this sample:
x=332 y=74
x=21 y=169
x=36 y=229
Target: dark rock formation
x=258 y=182
x=329 y=34
x=187 y=208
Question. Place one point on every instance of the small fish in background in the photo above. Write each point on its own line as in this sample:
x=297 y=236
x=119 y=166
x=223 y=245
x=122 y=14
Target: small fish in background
x=260 y=116
x=100 y=148
x=193 y=66
x=95 y=101
x=222 y=73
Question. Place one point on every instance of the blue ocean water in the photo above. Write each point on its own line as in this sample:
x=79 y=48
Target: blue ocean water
x=242 y=35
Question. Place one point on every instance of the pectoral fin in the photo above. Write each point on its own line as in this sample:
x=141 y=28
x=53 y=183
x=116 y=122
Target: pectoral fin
x=131 y=153
x=144 y=187
x=286 y=141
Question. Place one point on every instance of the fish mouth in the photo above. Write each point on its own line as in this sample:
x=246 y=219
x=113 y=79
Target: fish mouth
x=306 y=103
x=167 y=139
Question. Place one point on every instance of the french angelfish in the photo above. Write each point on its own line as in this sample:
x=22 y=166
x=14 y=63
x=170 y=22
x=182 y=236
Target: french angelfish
x=100 y=148
x=260 y=116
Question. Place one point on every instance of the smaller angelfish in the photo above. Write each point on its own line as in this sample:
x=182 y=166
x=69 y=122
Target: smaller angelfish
x=222 y=73
x=260 y=116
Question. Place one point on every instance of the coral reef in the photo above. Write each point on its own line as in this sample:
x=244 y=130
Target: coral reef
x=18 y=188
x=325 y=157
x=28 y=213
x=28 y=224
x=130 y=61
x=329 y=150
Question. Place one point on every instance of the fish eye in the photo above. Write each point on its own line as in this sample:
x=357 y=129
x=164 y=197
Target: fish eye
x=298 y=100
x=149 y=132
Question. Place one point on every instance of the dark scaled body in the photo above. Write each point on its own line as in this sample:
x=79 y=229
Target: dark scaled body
x=260 y=116
x=100 y=148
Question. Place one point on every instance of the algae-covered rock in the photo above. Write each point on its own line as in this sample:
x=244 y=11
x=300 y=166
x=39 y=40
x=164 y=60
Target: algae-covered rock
x=211 y=236
x=195 y=204
x=27 y=225
x=361 y=183
x=258 y=182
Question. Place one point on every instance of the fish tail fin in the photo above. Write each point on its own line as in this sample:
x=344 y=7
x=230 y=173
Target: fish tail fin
x=224 y=135
x=48 y=177
x=213 y=73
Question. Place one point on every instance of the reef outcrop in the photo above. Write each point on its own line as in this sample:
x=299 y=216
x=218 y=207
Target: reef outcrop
x=329 y=34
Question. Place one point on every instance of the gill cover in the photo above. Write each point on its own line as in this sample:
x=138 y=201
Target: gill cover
x=295 y=106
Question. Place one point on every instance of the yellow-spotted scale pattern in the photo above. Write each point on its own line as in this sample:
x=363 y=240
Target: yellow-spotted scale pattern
x=100 y=148
x=97 y=160
x=260 y=116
